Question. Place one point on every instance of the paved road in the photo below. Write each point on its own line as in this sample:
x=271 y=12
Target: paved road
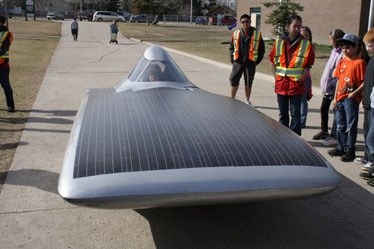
x=32 y=215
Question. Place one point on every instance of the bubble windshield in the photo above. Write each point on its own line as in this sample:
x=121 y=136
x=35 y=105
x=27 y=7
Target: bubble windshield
x=156 y=65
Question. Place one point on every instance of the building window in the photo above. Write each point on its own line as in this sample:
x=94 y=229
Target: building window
x=255 y=14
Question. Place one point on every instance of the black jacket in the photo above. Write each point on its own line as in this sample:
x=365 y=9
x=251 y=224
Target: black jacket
x=368 y=83
x=244 y=48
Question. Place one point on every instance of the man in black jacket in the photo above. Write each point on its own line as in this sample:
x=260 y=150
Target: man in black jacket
x=246 y=52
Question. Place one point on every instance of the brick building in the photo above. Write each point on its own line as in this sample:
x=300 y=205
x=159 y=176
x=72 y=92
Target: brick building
x=320 y=15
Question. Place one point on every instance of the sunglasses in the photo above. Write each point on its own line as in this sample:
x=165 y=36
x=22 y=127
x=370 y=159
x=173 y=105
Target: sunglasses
x=247 y=21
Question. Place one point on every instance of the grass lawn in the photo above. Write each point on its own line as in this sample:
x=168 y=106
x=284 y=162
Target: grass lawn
x=33 y=46
x=206 y=41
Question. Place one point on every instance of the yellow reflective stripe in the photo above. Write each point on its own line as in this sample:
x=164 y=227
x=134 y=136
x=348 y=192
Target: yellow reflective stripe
x=236 y=47
x=3 y=36
x=301 y=55
x=256 y=44
x=293 y=73
x=5 y=55
x=278 y=51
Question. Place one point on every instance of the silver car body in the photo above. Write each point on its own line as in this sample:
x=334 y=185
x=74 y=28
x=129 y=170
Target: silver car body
x=145 y=144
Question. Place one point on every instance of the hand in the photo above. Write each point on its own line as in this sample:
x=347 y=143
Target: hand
x=333 y=103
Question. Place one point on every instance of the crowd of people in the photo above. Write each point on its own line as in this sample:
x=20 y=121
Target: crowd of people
x=346 y=83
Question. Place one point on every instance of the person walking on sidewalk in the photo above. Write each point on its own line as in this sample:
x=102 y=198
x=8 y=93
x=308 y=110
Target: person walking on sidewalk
x=350 y=73
x=328 y=84
x=74 y=29
x=6 y=39
x=291 y=58
x=247 y=50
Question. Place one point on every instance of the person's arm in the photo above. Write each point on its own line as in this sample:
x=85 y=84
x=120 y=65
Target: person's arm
x=231 y=49
x=271 y=58
x=261 y=51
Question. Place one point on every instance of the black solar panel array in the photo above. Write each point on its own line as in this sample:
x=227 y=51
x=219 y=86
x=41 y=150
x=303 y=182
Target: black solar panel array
x=166 y=128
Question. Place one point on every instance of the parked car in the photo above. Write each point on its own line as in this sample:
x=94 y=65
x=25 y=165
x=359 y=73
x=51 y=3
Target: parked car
x=86 y=15
x=140 y=18
x=125 y=14
x=201 y=20
x=224 y=20
x=55 y=16
x=107 y=16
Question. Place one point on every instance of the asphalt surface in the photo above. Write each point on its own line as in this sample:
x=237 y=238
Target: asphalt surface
x=32 y=214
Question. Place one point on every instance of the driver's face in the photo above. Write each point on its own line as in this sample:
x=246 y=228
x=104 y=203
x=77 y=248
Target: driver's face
x=153 y=77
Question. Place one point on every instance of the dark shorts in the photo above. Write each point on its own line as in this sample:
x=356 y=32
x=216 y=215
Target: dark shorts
x=249 y=70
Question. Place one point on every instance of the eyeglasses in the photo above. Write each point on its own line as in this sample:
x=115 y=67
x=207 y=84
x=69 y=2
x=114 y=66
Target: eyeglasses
x=247 y=21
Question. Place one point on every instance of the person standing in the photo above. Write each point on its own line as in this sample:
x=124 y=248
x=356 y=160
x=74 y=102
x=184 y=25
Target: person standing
x=328 y=84
x=350 y=73
x=306 y=33
x=74 y=29
x=6 y=39
x=368 y=105
x=291 y=57
x=247 y=50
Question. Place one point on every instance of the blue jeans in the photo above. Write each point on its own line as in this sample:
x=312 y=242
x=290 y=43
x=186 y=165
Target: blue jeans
x=290 y=104
x=304 y=102
x=304 y=110
x=346 y=120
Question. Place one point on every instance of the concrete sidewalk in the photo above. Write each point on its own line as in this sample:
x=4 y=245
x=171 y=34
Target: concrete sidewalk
x=32 y=214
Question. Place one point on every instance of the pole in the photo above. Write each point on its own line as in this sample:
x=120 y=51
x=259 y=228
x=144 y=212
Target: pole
x=370 y=22
x=191 y=13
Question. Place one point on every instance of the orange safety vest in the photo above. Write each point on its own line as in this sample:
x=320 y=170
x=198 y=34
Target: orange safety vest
x=297 y=62
x=253 y=47
x=3 y=36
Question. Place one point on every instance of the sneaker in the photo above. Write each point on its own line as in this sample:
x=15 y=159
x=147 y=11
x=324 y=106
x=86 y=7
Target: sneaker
x=368 y=166
x=320 y=135
x=367 y=175
x=249 y=102
x=349 y=156
x=330 y=141
x=360 y=160
x=335 y=152
x=371 y=182
x=11 y=109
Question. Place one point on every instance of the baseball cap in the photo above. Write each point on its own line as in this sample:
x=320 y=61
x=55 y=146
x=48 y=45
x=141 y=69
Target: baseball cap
x=348 y=38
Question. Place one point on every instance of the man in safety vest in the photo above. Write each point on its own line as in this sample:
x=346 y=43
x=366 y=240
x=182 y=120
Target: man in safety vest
x=6 y=39
x=291 y=58
x=246 y=52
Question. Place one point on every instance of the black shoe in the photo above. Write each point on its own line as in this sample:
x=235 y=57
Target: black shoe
x=371 y=182
x=321 y=135
x=11 y=109
x=335 y=152
x=349 y=156
x=367 y=175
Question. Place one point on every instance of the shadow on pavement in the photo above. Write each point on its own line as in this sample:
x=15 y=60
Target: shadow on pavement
x=331 y=221
x=41 y=179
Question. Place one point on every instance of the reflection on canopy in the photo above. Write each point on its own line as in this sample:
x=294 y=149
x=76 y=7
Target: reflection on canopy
x=155 y=69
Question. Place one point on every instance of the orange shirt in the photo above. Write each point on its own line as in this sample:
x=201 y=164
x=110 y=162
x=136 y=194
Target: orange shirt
x=350 y=74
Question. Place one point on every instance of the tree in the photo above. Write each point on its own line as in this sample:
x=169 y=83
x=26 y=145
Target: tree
x=126 y=5
x=279 y=16
x=112 y=5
